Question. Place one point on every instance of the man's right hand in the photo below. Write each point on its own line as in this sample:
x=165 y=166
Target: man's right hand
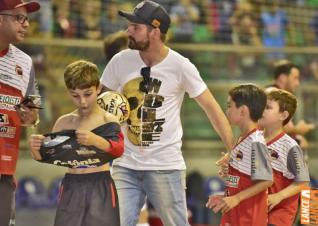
x=303 y=127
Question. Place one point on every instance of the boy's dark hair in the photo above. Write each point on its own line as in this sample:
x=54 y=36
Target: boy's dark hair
x=286 y=102
x=284 y=68
x=81 y=74
x=251 y=96
x=114 y=43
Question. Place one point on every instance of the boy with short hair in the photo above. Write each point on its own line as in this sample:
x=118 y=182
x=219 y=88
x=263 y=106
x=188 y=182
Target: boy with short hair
x=88 y=194
x=289 y=168
x=250 y=172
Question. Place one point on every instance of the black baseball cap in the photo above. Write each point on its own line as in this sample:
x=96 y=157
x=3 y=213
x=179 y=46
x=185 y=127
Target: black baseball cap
x=151 y=13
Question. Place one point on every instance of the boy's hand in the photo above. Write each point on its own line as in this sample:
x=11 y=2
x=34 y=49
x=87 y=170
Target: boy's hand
x=35 y=142
x=224 y=171
x=273 y=200
x=223 y=162
x=225 y=204
x=213 y=201
x=303 y=128
x=85 y=137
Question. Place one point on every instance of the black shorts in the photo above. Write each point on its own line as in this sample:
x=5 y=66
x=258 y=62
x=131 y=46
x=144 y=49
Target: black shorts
x=88 y=200
x=7 y=202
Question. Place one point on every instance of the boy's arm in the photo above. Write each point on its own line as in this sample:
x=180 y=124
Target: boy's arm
x=114 y=147
x=297 y=166
x=292 y=189
x=227 y=203
x=261 y=173
x=113 y=143
x=88 y=138
x=217 y=117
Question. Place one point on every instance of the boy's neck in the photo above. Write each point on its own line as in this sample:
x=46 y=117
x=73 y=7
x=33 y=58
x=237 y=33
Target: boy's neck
x=247 y=127
x=272 y=132
x=96 y=109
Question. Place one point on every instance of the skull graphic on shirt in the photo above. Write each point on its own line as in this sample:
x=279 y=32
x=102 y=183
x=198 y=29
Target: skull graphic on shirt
x=136 y=99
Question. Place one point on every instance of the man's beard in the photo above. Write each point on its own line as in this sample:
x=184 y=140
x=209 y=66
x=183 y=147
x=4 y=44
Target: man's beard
x=141 y=46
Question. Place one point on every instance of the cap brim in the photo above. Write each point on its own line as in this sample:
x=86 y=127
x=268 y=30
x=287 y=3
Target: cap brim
x=131 y=17
x=30 y=6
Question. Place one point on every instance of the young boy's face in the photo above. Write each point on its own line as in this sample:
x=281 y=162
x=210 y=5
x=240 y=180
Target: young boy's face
x=84 y=99
x=271 y=115
x=232 y=112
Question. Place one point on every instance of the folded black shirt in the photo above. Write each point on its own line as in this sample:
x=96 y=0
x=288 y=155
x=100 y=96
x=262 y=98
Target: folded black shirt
x=62 y=149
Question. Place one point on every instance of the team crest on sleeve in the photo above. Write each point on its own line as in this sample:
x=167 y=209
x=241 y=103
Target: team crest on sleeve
x=18 y=70
x=274 y=154
x=239 y=155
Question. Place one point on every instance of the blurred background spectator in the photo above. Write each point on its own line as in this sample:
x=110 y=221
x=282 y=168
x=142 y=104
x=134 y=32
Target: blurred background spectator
x=184 y=16
x=275 y=24
x=111 y=22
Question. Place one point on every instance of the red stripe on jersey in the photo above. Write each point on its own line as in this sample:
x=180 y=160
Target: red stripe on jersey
x=275 y=138
x=244 y=137
x=4 y=52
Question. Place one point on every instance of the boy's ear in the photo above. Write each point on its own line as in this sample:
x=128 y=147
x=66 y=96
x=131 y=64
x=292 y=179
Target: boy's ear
x=284 y=115
x=244 y=110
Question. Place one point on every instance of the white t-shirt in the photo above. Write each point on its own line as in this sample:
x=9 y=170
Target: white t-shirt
x=153 y=131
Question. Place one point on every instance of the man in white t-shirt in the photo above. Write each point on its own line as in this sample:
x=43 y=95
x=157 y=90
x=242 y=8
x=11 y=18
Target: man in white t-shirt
x=154 y=78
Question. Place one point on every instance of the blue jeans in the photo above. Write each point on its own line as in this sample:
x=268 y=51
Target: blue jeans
x=165 y=189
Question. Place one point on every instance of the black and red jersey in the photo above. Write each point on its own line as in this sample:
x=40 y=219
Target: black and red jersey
x=249 y=162
x=288 y=166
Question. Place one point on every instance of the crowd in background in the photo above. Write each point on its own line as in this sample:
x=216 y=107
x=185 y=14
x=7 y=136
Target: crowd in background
x=259 y=23
x=271 y=23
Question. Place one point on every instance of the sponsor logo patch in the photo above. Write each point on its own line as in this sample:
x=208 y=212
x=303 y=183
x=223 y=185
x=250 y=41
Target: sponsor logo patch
x=309 y=206
x=4 y=119
x=7 y=131
x=85 y=152
x=232 y=181
x=6 y=158
x=76 y=163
